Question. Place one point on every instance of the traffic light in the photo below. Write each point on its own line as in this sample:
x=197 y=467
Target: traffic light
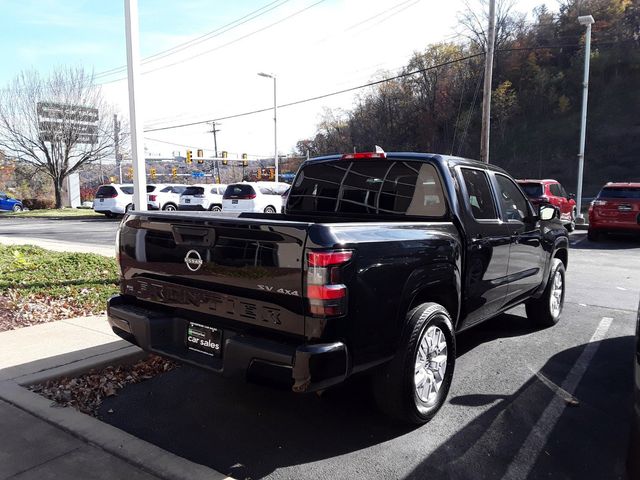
x=112 y=179
x=259 y=174
x=130 y=172
x=200 y=152
x=174 y=172
x=272 y=173
x=224 y=158
x=153 y=173
x=188 y=157
x=245 y=163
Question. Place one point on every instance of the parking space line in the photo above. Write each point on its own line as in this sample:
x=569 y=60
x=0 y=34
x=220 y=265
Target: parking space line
x=521 y=465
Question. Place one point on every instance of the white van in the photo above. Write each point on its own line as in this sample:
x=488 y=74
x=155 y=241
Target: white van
x=254 y=197
x=202 y=197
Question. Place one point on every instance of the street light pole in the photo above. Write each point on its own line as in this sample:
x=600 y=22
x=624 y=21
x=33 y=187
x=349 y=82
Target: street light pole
x=275 y=121
x=135 y=117
x=586 y=20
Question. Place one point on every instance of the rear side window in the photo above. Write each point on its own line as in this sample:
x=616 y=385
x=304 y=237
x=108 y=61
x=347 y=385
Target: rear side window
x=479 y=192
x=370 y=187
x=532 y=190
x=127 y=190
x=151 y=188
x=106 y=191
x=166 y=189
x=620 y=192
x=239 y=191
x=193 y=191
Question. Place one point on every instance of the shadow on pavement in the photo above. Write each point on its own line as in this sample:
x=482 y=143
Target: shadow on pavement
x=581 y=445
x=610 y=241
x=246 y=430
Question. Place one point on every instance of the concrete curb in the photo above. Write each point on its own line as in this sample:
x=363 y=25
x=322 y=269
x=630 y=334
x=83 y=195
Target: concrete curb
x=139 y=453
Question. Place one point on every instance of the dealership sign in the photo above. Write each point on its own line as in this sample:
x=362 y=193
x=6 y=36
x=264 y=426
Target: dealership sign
x=59 y=120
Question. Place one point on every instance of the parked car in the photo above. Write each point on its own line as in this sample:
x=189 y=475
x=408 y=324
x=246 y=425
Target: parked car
x=378 y=262
x=164 y=197
x=254 y=197
x=633 y=462
x=615 y=209
x=8 y=203
x=552 y=192
x=113 y=199
x=203 y=197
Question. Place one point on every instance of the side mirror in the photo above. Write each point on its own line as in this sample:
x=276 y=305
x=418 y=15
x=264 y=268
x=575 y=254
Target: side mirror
x=547 y=212
x=572 y=196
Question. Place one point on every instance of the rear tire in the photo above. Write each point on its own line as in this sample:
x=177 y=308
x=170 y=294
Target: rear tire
x=593 y=235
x=128 y=208
x=170 y=207
x=215 y=208
x=269 y=209
x=17 y=208
x=546 y=310
x=414 y=385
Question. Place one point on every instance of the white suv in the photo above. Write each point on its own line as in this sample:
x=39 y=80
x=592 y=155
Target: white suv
x=113 y=199
x=164 y=197
x=254 y=197
x=202 y=197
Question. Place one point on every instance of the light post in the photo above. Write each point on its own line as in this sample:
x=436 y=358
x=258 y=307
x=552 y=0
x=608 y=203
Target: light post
x=275 y=121
x=587 y=21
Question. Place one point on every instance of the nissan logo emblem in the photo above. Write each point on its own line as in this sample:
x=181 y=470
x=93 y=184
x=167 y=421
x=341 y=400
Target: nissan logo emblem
x=193 y=260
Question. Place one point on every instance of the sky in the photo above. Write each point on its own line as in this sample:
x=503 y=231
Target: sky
x=313 y=47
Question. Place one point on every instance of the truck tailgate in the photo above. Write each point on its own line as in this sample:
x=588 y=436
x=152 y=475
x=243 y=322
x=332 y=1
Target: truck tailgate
x=242 y=270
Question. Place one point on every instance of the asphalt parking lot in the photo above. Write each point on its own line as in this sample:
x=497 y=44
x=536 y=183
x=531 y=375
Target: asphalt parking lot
x=525 y=403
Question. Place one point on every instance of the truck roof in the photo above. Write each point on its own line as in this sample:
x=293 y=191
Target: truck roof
x=444 y=160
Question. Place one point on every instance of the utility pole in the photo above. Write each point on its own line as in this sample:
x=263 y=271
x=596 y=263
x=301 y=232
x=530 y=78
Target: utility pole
x=216 y=166
x=488 y=77
x=586 y=21
x=116 y=143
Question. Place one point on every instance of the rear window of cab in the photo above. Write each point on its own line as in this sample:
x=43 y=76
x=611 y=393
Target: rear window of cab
x=369 y=187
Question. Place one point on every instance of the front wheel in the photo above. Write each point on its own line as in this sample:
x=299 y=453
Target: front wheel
x=270 y=209
x=414 y=385
x=571 y=226
x=545 y=311
x=215 y=208
x=593 y=235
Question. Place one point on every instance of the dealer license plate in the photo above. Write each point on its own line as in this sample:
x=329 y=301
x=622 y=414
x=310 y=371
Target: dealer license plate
x=102 y=200
x=187 y=200
x=203 y=339
x=234 y=202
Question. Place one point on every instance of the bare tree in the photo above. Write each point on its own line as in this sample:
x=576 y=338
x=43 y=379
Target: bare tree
x=474 y=18
x=59 y=124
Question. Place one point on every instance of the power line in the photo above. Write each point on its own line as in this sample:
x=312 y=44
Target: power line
x=377 y=82
x=161 y=67
x=206 y=36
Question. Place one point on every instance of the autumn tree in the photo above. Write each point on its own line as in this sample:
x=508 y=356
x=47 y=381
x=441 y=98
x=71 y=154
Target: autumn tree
x=59 y=124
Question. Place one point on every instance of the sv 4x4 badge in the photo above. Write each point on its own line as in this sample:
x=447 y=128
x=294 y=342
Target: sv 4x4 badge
x=284 y=291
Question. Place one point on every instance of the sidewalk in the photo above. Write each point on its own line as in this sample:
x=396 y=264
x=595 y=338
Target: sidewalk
x=41 y=440
x=59 y=246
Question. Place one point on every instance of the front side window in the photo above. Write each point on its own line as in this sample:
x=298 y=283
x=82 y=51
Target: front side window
x=556 y=191
x=479 y=192
x=369 y=187
x=514 y=204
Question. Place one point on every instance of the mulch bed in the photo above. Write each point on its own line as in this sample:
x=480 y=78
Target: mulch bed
x=86 y=392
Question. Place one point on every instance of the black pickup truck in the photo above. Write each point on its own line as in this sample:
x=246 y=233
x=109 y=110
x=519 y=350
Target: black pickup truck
x=377 y=262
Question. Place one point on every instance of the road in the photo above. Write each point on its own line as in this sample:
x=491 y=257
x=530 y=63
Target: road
x=524 y=403
x=507 y=415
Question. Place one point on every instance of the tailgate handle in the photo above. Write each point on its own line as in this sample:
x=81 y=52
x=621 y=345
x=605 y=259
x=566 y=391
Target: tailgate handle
x=194 y=236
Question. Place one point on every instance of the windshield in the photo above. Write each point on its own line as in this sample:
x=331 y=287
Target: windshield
x=370 y=187
x=531 y=189
x=620 y=192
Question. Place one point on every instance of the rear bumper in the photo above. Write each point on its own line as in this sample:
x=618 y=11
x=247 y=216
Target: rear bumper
x=303 y=368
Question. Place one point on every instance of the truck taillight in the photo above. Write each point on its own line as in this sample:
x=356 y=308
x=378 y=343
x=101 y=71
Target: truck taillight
x=153 y=198
x=326 y=295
